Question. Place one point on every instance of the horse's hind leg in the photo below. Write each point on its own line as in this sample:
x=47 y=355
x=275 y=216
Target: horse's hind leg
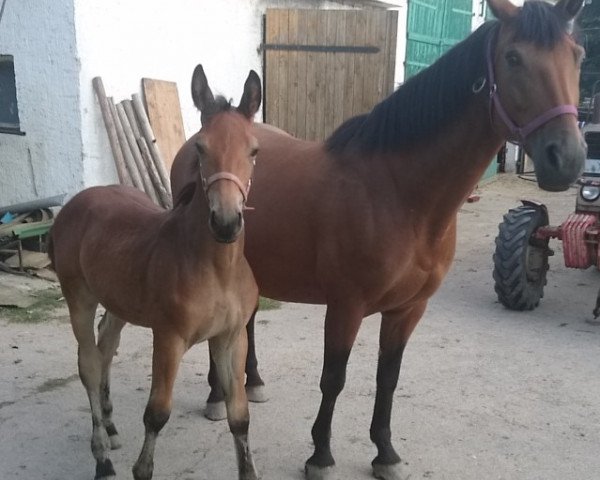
x=166 y=357
x=255 y=387
x=396 y=328
x=229 y=355
x=82 y=315
x=109 y=335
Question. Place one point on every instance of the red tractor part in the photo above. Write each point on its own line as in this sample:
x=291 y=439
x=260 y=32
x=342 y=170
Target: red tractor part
x=579 y=234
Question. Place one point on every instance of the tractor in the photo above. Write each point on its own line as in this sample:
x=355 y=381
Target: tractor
x=522 y=244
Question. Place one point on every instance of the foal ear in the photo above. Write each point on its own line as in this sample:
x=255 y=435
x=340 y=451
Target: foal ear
x=503 y=10
x=251 y=97
x=201 y=93
x=568 y=9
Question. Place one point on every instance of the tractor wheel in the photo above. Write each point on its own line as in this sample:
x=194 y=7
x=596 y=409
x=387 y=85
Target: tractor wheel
x=520 y=260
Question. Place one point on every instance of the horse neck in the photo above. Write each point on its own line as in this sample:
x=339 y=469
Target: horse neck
x=198 y=246
x=435 y=178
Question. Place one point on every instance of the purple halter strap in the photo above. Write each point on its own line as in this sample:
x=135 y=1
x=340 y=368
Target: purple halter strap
x=520 y=133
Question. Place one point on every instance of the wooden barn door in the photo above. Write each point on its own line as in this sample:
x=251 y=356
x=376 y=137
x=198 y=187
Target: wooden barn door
x=325 y=66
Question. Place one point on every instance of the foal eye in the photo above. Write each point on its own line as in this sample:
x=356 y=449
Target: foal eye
x=254 y=152
x=200 y=149
x=513 y=58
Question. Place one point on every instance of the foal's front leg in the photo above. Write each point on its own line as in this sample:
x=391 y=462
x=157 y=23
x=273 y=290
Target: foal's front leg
x=166 y=357
x=396 y=328
x=229 y=354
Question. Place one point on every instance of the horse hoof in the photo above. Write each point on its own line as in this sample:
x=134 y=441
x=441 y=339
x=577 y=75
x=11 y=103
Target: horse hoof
x=389 y=472
x=312 y=472
x=256 y=393
x=215 y=411
x=115 y=442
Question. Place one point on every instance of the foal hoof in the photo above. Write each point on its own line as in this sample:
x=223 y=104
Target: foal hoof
x=389 y=472
x=215 y=411
x=105 y=470
x=312 y=472
x=115 y=442
x=256 y=393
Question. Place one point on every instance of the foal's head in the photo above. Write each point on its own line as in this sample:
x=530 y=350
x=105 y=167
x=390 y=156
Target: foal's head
x=536 y=65
x=226 y=152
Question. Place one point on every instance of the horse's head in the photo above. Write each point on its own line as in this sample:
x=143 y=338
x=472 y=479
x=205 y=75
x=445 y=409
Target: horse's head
x=535 y=92
x=226 y=153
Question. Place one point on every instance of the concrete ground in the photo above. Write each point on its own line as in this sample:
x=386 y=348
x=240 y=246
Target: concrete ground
x=484 y=393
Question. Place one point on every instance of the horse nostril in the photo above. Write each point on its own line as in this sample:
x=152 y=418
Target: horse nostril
x=553 y=154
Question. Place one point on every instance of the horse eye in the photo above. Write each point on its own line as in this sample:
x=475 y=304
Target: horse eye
x=200 y=149
x=254 y=152
x=513 y=58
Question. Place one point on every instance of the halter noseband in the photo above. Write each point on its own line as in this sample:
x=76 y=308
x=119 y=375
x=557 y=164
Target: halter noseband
x=519 y=134
x=208 y=182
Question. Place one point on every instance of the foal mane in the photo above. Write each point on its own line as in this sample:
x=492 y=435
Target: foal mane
x=433 y=98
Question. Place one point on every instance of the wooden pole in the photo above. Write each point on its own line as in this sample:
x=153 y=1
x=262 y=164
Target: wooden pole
x=137 y=156
x=164 y=196
x=146 y=129
x=111 y=130
x=129 y=162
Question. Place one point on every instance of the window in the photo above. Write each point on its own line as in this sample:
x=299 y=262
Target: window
x=9 y=112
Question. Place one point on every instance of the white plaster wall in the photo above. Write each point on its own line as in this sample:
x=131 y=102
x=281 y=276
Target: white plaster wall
x=40 y=34
x=125 y=40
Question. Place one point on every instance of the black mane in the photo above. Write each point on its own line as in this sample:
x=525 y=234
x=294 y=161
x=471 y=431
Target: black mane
x=430 y=100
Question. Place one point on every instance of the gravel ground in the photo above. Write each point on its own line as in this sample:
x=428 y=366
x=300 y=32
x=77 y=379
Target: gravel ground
x=484 y=393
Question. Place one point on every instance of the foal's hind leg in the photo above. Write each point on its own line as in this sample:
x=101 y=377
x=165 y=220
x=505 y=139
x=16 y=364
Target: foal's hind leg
x=82 y=315
x=109 y=335
x=166 y=357
x=229 y=355
x=396 y=328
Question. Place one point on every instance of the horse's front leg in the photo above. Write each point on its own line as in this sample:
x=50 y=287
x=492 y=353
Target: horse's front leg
x=255 y=389
x=166 y=357
x=109 y=336
x=341 y=328
x=229 y=354
x=396 y=328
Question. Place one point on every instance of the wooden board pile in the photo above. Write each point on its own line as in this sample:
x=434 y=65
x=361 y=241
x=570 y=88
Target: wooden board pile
x=137 y=157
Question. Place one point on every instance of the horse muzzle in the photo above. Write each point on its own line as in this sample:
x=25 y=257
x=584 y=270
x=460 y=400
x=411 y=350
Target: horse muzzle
x=558 y=152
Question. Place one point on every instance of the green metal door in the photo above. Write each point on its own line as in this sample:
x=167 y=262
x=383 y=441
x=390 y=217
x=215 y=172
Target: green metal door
x=434 y=26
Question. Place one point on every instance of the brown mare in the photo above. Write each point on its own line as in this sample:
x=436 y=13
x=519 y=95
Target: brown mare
x=181 y=273
x=366 y=221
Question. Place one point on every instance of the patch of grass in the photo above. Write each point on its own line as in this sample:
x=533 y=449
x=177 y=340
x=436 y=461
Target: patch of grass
x=268 y=304
x=47 y=301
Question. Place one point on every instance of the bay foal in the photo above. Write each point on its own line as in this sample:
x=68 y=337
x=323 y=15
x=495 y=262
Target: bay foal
x=181 y=273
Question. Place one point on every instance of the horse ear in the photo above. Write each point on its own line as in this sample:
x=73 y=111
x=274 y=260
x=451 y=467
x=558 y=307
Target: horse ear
x=503 y=10
x=568 y=9
x=251 y=97
x=201 y=93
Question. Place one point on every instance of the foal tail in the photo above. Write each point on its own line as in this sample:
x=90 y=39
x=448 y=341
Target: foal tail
x=50 y=248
